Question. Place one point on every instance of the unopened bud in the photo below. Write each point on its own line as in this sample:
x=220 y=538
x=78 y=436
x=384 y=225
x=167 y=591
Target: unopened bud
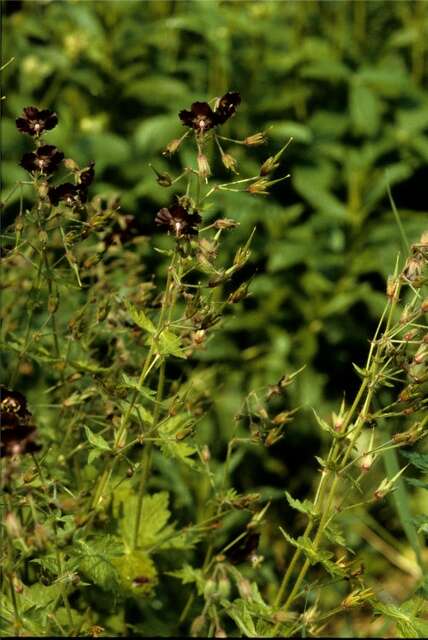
x=229 y=162
x=424 y=306
x=162 y=178
x=203 y=166
x=43 y=237
x=220 y=633
x=53 y=303
x=244 y=588
x=224 y=587
x=392 y=287
x=225 y=223
x=71 y=165
x=210 y=588
x=268 y=166
x=13 y=526
x=43 y=190
x=19 y=223
x=256 y=139
x=172 y=147
x=197 y=625
x=366 y=463
x=259 y=187
x=239 y=294
x=205 y=453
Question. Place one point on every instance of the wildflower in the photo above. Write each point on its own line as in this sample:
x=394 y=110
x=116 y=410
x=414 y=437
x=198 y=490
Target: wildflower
x=17 y=432
x=73 y=194
x=67 y=192
x=226 y=106
x=35 y=121
x=202 y=118
x=178 y=220
x=45 y=159
x=245 y=549
x=86 y=176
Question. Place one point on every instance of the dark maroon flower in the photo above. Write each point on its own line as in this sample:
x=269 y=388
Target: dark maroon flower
x=178 y=220
x=17 y=431
x=123 y=231
x=69 y=193
x=246 y=548
x=73 y=194
x=46 y=159
x=35 y=121
x=227 y=106
x=87 y=175
x=202 y=118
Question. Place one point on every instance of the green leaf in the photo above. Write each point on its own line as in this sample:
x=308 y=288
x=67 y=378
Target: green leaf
x=365 y=108
x=306 y=507
x=140 y=318
x=168 y=344
x=418 y=460
x=173 y=447
x=189 y=575
x=96 y=560
x=155 y=515
x=96 y=440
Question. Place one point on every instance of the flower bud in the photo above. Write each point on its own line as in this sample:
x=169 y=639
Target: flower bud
x=256 y=139
x=210 y=588
x=229 y=162
x=225 y=223
x=205 y=453
x=172 y=147
x=162 y=178
x=203 y=166
x=244 y=588
x=268 y=166
x=13 y=526
x=224 y=587
x=70 y=164
x=197 y=625
x=53 y=303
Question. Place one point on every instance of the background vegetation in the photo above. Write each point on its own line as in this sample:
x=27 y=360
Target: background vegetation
x=348 y=81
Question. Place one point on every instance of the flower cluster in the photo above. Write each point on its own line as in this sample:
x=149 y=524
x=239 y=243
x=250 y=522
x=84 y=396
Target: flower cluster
x=202 y=118
x=46 y=159
x=17 y=430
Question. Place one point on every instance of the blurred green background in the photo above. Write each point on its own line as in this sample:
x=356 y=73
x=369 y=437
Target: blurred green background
x=348 y=80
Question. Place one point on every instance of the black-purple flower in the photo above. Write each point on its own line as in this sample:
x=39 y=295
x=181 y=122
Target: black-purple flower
x=87 y=175
x=45 y=159
x=178 y=220
x=73 y=194
x=226 y=106
x=17 y=431
x=35 y=121
x=202 y=118
x=69 y=193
